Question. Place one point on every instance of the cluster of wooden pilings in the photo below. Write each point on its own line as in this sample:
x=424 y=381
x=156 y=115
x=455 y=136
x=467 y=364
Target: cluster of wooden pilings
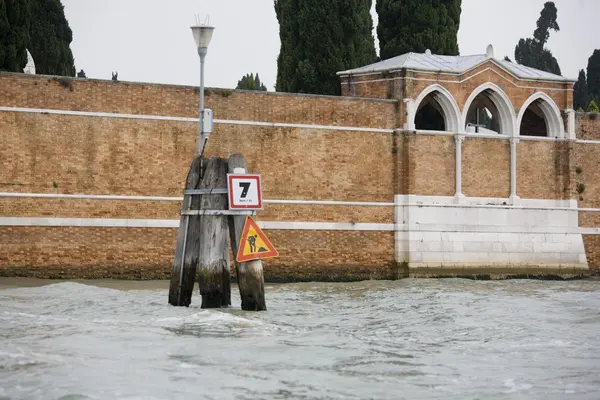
x=206 y=228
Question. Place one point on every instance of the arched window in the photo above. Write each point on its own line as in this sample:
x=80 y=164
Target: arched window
x=540 y=117
x=489 y=110
x=430 y=116
x=436 y=110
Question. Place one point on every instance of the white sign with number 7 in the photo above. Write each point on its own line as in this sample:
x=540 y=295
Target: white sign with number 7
x=244 y=191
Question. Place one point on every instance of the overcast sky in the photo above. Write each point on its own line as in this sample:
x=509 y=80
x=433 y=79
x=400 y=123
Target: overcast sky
x=150 y=40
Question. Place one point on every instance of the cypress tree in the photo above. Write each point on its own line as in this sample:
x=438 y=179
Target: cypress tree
x=580 y=95
x=251 y=82
x=531 y=52
x=593 y=76
x=417 y=25
x=14 y=34
x=50 y=38
x=320 y=38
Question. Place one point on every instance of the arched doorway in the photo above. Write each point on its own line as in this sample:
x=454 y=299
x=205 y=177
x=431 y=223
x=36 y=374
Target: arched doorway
x=540 y=117
x=430 y=116
x=488 y=110
x=436 y=110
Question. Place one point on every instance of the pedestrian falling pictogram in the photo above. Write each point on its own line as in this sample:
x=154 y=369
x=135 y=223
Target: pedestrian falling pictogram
x=254 y=244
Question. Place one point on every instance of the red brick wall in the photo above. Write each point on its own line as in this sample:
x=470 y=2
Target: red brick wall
x=99 y=155
x=35 y=91
x=146 y=253
x=587 y=126
x=486 y=167
x=543 y=170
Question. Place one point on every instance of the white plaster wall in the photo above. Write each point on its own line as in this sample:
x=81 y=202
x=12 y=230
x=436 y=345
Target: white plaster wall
x=478 y=232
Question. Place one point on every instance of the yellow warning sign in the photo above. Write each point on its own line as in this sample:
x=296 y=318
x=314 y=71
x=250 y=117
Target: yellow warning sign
x=254 y=244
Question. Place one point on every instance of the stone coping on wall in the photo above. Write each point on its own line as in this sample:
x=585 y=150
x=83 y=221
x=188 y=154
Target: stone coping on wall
x=207 y=89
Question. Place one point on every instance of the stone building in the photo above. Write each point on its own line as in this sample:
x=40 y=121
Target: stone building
x=470 y=97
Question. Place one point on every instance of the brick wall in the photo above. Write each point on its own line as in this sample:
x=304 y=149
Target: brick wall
x=47 y=153
x=35 y=91
x=587 y=158
x=543 y=170
x=486 y=167
x=146 y=253
x=587 y=126
x=431 y=165
x=95 y=155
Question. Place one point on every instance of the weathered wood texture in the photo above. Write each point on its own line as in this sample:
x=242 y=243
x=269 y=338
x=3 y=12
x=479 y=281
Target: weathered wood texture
x=213 y=275
x=249 y=274
x=185 y=265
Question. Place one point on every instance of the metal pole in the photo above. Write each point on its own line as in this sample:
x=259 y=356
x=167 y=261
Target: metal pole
x=202 y=54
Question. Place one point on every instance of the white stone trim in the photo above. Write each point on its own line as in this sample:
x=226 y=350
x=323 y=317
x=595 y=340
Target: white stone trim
x=89 y=196
x=168 y=223
x=587 y=141
x=89 y=222
x=458 y=139
x=502 y=102
x=434 y=231
x=331 y=203
x=465 y=134
x=542 y=138
x=555 y=230
x=554 y=122
x=194 y=120
x=157 y=198
x=571 y=133
x=446 y=101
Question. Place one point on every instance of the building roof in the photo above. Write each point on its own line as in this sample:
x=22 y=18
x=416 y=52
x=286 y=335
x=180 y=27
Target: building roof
x=452 y=64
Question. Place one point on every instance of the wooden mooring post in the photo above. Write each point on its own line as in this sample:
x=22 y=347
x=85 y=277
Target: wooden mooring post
x=187 y=249
x=202 y=251
x=249 y=274
x=214 y=276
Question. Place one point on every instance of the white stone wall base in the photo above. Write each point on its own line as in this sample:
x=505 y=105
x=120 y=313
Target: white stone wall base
x=435 y=232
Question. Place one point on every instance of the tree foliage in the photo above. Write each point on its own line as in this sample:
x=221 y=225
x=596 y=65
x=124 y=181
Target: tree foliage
x=531 y=51
x=593 y=76
x=15 y=20
x=320 y=38
x=593 y=107
x=417 y=25
x=251 y=82
x=41 y=27
x=51 y=37
x=580 y=95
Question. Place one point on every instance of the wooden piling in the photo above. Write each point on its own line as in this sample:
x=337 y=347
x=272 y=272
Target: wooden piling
x=185 y=264
x=213 y=275
x=249 y=274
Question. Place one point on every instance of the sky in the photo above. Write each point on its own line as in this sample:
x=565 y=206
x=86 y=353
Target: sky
x=151 y=40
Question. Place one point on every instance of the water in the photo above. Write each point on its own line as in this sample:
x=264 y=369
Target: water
x=411 y=339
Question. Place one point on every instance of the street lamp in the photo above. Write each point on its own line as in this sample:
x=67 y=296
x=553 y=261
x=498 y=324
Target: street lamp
x=202 y=36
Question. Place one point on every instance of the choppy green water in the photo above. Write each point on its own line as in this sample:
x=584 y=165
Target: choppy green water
x=413 y=339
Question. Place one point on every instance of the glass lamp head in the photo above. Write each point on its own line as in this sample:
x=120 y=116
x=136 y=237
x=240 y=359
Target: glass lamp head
x=202 y=35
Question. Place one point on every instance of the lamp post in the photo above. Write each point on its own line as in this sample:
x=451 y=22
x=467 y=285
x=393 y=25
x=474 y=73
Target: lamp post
x=202 y=36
